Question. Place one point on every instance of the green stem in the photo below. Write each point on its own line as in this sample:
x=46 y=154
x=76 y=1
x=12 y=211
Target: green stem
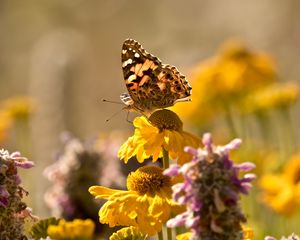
x=169 y=232
x=166 y=160
x=166 y=164
x=160 y=235
x=230 y=122
x=287 y=131
x=265 y=126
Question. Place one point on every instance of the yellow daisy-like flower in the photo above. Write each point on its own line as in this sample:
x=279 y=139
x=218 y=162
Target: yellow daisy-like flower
x=248 y=233
x=20 y=107
x=163 y=129
x=282 y=191
x=146 y=205
x=274 y=96
x=128 y=233
x=184 y=236
x=5 y=124
x=76 y=230
x=225 y=79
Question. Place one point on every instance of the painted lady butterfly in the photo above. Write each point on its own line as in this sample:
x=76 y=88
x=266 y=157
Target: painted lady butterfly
x=151 y=85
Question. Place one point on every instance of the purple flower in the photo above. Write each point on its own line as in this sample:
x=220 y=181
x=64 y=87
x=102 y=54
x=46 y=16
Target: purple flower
x=4 y=194
x=210 y=191
x=12 y=208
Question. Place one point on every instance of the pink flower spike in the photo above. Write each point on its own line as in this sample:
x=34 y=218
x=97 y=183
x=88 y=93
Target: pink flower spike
x=179 y=220
x=246 y=166
x=207 y=141
x=246 y=185
x=172 y=171
x=15 y=155
x=249 y=177
x=24 y=163
x=234 y=144
x=269 y=238
x=191 y=150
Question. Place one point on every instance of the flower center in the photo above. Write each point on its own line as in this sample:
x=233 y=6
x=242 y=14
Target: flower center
x=166 y=119
x=148 y=179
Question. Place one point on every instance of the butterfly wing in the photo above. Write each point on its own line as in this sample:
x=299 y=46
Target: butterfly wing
x=151 y=84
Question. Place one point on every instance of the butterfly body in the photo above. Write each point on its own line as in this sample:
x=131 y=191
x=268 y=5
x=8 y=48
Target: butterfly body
x=151 y=85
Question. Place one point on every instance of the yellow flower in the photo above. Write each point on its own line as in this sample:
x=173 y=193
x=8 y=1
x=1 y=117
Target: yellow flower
x=184 y=236
x=248 y=233
x=18 y=107
x=75 y=230
x=225 y=79
x=128 y=233
x=146 y=205
x=5 y=123
x=282 y=191
x=274 y=96
x=163 y=129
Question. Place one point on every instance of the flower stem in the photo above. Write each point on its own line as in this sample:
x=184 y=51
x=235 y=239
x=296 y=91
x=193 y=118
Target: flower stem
x=165 y=158
x=160 y=235
x=230 y=122
x=166 y=164
x=169 y=232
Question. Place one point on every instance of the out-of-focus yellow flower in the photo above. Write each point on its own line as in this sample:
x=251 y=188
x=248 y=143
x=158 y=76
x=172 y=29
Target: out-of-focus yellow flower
x=274 y=96
x=128 y=233
x=146 y=205
x=184 y=236
x=282 y=191
x=13 y=109
x=18 y=107
x=5 y=123
x=163 y=129
x=75 y=230
x=248 y=233
x=225 y=79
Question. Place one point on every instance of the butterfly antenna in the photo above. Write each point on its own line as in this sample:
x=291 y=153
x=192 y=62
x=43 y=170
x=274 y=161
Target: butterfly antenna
x=109 y=101
x=112 y=116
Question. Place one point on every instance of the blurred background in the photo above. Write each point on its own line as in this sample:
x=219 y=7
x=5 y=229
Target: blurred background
x=64 y=55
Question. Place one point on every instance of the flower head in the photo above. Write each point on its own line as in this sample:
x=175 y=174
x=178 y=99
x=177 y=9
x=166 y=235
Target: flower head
x=76 y=230
x=146 y=205
x=128 y=233
x=225 y=79
x=271 y=97
x=211 y=190
x=18 y=108
x=248 y=233
x=281 y=192
x=5 y=124
x=77 y=168
x=13 y=210
x=162 y=129
x=184 y=236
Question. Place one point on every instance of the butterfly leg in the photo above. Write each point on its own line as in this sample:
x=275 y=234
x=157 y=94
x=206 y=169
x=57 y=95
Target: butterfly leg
x=127 y=118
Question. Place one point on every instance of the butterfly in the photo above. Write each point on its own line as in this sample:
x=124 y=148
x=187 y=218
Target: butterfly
x=151 y=84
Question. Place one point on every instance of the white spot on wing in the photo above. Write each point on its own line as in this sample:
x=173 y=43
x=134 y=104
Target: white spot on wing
x=136 y=55
x=131 y=78
x=124 y=51
x=125 y=63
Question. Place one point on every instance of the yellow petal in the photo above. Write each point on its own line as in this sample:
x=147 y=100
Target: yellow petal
x=102 y=192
